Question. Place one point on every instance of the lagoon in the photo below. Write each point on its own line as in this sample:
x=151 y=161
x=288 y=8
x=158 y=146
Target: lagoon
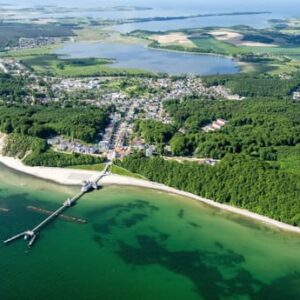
x=139 y=244
x=136 y=56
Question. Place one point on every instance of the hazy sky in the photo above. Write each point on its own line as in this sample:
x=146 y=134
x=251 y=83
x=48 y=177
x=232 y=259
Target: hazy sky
x=232 y=4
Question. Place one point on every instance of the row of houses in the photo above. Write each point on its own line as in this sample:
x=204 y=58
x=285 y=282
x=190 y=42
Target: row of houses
x=67 y=145
x=69 y=85
x=215 y=125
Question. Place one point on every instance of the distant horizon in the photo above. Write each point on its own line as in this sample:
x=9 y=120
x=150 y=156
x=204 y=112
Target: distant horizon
x=236 y=5
x=278 y=8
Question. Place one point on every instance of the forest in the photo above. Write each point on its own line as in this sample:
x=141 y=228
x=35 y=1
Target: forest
x=256 y=85
x=12 y=89
x=256 y=127
x=83 y=123
x=257 y=149
x=238 y=180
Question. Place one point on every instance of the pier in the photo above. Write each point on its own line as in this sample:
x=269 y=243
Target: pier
x=87 y=186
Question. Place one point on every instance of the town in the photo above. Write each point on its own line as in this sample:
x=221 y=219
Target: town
x=132 y=99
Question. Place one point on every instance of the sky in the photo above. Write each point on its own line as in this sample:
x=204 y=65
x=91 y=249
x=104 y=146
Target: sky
x=237 y=4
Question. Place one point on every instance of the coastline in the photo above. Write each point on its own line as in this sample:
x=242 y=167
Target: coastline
x=76 y=177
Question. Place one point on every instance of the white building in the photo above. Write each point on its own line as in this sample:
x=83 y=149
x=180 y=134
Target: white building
x=296 y=96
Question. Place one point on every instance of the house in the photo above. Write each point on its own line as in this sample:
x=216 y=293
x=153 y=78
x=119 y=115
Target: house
x=211 y=162
x=296 y=96
x=215 y=125
x=138 y=144
x=149 y=151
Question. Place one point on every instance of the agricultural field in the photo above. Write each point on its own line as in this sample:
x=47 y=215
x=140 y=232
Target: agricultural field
x=271 y=50
x=104 y=34
x=239 y=39
x=213 y=45
x=174 y=38
x=233 y=42
x=291 y=51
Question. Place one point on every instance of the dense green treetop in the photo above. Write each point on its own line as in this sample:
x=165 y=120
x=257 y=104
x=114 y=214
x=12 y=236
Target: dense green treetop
x=82 y=123
x=13 y=89
x=238 y=180
x=254 y=127
x=257 y=85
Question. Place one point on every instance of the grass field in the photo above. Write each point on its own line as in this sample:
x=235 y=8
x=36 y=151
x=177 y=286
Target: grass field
x=115 y=170
x=96 y=70
x=281 y=51
x=216 y=46
x=25 y=53
x=105 y=34
x=223 y=47
x=80 y=67
x=288 y=68
x=246 y=67
x=120 y=171
x=96 y=167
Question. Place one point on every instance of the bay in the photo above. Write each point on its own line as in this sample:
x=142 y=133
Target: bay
x=139 y=244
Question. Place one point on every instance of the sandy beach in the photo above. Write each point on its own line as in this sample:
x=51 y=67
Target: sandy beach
x=76 y=177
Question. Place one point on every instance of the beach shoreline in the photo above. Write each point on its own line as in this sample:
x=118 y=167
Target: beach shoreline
x=76 y=177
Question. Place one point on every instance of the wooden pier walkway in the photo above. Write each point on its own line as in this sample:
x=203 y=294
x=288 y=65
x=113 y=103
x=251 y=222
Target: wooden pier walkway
x=87 y=186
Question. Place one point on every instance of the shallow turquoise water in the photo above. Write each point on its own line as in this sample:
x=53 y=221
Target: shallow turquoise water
x=139 y=244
